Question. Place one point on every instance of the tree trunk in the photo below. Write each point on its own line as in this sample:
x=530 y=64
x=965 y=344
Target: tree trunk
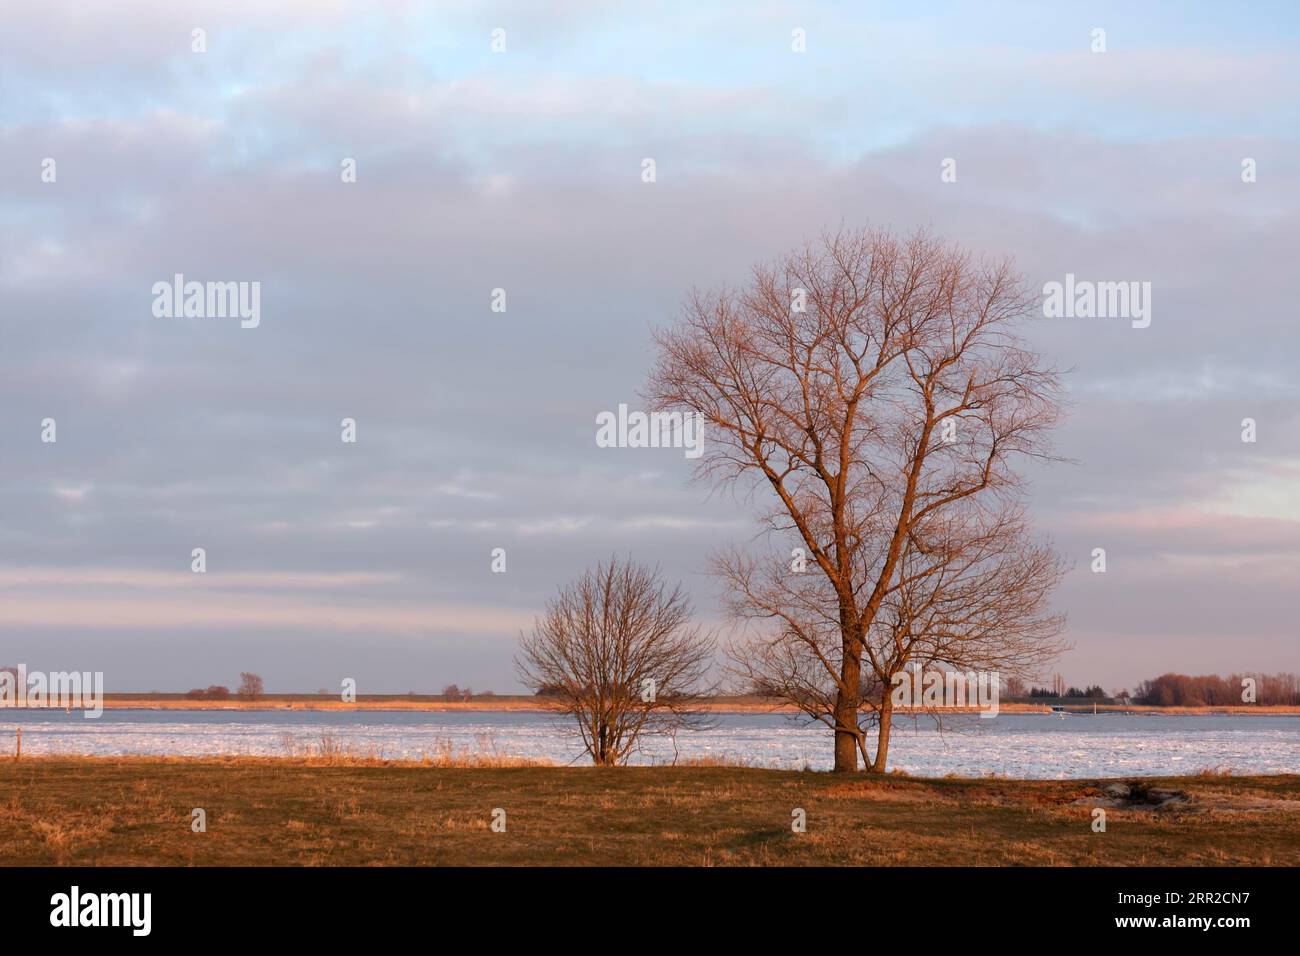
x=846 y=713
x=846 y=742
x=882 y=742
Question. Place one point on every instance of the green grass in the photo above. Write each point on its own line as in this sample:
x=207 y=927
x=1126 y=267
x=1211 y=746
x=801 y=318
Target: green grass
x=300 y=812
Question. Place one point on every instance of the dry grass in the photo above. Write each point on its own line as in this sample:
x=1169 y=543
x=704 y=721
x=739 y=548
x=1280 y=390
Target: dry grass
x=329 y=751
x=329 y=808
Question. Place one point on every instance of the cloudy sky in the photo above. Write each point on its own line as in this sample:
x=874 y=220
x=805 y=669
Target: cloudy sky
x=521 y=170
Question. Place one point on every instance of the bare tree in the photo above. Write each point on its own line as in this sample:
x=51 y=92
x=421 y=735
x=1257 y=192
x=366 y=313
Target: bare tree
x=617 y=650
x=250 y=686
x=876 y=387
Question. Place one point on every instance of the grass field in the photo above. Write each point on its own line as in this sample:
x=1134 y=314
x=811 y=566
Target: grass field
x=316 y=812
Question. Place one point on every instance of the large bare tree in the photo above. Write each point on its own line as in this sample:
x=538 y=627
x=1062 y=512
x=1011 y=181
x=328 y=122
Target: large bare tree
x=876 y=386
x=618 y=651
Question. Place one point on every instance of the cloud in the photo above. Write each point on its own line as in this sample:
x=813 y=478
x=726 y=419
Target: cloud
x=522 y=171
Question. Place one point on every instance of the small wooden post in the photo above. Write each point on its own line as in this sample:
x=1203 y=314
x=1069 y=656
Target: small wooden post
x=18 y=751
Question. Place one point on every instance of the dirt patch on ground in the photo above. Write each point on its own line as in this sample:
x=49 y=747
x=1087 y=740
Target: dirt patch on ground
x=1138 y=795
x=1146 y=795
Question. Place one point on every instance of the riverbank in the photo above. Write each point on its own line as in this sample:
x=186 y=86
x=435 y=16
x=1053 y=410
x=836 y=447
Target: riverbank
x=325 y=811
x=531 y=704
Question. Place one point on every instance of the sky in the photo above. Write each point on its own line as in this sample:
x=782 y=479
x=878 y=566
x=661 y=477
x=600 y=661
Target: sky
x=522 y=170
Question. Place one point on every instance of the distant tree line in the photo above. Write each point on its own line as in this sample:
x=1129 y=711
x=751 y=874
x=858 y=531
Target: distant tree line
x=1180 y=690
x=1211 y=690
x=1095 y=692
x=250 y=688
x=213 y=692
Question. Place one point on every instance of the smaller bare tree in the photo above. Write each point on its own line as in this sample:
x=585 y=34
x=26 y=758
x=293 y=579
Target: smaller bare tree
x=250 y=686
x=617 y=650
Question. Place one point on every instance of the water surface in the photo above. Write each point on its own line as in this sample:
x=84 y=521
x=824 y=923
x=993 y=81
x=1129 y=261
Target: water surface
x=1021 y=745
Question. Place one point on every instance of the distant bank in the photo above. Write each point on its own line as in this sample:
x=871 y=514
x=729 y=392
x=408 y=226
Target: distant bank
x=504 y=702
